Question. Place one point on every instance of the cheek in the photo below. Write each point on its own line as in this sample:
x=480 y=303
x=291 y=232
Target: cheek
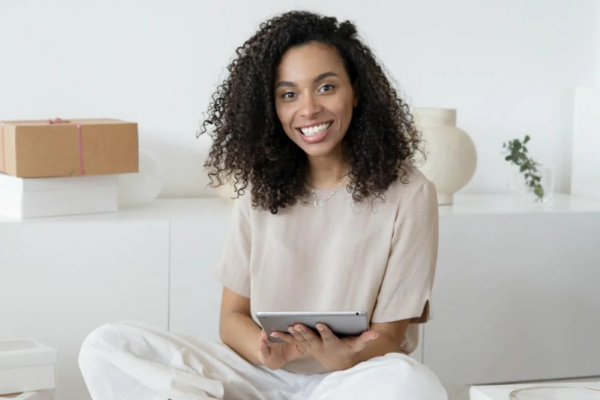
x=285 y=116
x=344 y=112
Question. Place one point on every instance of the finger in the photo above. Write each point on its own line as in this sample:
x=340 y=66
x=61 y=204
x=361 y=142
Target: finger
x=297 y=336
x=284 y=336
x=308 y=335
x=368 y=336
x=326 y=334
x=263 y=335
x=264 y=349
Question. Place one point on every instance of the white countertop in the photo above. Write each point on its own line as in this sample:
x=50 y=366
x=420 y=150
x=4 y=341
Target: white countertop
x=469 y=204
x=202 y=208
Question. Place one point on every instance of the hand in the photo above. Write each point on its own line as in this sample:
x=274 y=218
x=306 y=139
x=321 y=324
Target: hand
x=334 y=353
x=276 y=355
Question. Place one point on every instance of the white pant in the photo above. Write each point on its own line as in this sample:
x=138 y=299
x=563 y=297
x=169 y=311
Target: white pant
x=131 y=361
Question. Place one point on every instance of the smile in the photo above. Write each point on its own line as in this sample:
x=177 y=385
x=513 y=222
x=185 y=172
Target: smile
x=315 y=130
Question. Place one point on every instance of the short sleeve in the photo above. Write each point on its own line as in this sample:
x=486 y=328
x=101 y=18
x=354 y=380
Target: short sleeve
x=408 y=279
x=233 y=268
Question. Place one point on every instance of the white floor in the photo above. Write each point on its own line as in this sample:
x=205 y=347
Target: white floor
x=461 y=392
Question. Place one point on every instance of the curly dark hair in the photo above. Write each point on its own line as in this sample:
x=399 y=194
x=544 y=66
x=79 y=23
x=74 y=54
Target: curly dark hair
x=250 y=145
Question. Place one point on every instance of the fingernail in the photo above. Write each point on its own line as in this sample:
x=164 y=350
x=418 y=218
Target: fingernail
x=320 y=327
x=298 y=329
x=375 y=336
x=273 y=334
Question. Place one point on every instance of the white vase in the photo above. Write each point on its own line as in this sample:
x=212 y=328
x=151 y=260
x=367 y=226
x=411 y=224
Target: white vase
x=144 y=186
x=451 y=157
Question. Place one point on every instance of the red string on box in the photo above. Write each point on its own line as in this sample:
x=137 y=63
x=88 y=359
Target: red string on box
x=79 y=141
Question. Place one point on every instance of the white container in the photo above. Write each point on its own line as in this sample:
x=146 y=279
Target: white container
x=585 y=171
x=512 y=391
x=451 y=155
x=47 y=197
x=26 y=366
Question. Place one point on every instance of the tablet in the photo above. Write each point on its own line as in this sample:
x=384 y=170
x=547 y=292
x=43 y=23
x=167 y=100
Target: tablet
x=342 y=323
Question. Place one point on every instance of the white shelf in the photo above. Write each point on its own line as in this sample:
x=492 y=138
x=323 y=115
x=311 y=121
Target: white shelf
x=200 y=208
x=468 y=204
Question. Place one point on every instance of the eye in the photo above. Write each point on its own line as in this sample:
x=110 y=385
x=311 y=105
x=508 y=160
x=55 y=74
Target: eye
x=326 y=88
x=288 y=95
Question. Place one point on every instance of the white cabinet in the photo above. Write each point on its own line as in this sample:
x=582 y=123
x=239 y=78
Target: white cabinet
x=517 y=292
x=196 y=245
x=61 y=278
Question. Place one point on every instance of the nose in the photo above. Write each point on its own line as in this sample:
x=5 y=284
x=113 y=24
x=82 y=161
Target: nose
x=309 y=106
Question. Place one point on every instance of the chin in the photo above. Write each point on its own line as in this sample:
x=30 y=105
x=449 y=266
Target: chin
x=320 y=151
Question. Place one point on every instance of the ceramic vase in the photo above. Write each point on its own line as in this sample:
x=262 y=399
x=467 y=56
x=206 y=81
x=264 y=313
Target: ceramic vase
x=144 y=186
x=451 y=157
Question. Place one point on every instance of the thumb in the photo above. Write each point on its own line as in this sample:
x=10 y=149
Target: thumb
x=360 y=342
x=368 y=336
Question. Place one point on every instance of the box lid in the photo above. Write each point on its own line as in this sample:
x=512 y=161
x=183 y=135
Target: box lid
x=25 y=353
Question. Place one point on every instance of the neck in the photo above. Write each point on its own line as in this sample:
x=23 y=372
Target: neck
x=326 y=172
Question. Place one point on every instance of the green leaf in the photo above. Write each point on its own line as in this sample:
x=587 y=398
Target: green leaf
x=508 y=158
x=523 y=167
x=526 y=139
x=539 y=191
x=517 y=145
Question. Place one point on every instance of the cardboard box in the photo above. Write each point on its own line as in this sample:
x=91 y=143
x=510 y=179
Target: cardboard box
x=26 y=366
x=47 y=197
x=51 y=148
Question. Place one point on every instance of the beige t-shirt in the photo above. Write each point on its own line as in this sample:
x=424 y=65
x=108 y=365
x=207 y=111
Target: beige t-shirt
x=377 y=257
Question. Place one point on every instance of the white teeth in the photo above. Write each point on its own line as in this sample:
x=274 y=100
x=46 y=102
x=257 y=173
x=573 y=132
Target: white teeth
x=313 y=130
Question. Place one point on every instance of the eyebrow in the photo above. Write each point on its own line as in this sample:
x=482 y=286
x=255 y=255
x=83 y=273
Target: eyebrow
x=317 y=79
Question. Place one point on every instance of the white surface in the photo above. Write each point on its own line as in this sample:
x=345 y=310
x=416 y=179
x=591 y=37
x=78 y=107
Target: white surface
x=27 y=379
x=158 y=64
x=26 y=352
x=59 y=281
x=37 y=395
x=585 y=178
x=44 y=197
x=196 y=246
x=502 y=392
x=516 y=297
x=485 y=204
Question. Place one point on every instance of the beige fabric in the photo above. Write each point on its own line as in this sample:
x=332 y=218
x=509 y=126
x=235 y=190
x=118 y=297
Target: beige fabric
x=376 y=256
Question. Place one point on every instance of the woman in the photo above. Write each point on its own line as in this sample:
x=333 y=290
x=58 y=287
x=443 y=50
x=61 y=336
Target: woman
x=332 y=216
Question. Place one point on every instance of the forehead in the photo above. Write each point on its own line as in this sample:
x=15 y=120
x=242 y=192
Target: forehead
x=308 y=61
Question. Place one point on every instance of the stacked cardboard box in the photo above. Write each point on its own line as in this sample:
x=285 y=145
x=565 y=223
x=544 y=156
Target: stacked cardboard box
x=62 y=167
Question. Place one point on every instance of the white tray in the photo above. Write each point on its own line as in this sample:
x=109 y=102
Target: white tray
x=26 y=365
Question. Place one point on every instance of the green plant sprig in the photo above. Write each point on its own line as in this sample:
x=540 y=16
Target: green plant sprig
x=518 y=155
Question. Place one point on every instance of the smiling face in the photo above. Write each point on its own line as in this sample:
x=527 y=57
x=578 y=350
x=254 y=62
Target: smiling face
x=314 y=98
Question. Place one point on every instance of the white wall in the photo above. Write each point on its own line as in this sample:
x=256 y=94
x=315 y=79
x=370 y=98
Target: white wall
x=507 y=66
